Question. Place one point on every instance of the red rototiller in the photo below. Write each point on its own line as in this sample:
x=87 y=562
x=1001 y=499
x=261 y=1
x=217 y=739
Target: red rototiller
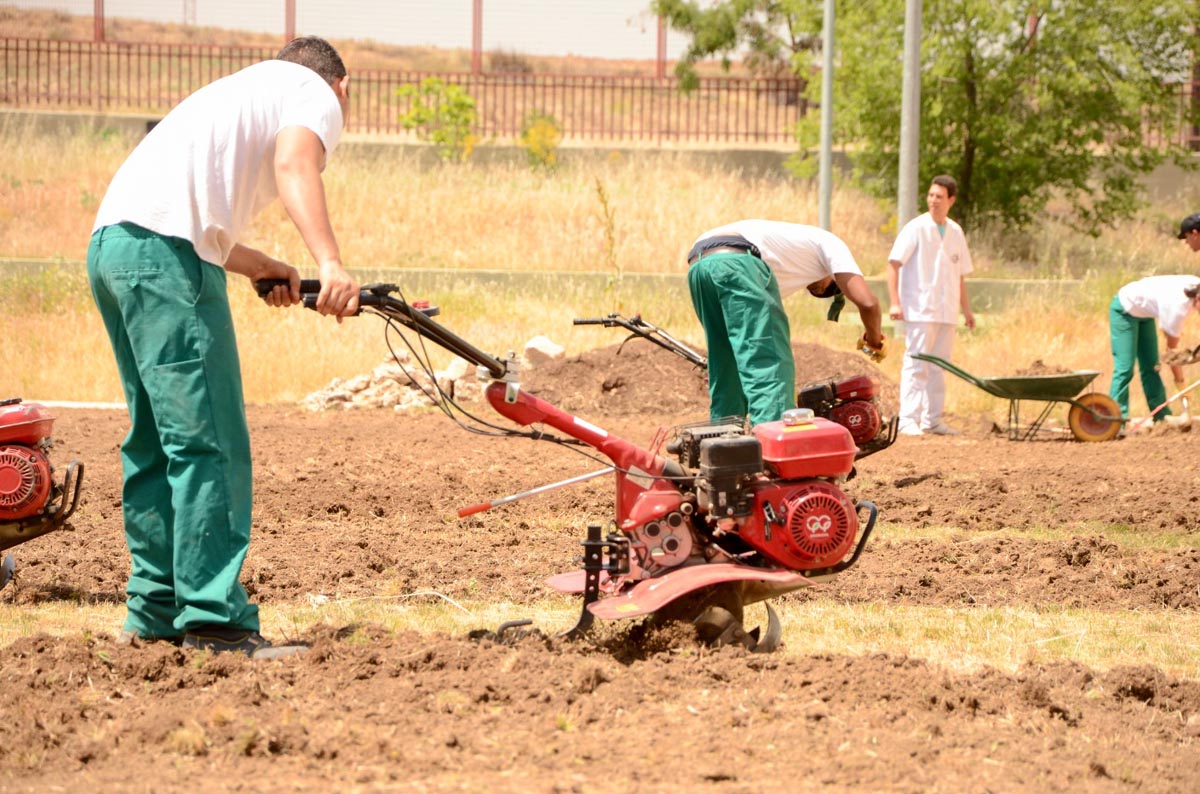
x=709 y=518
x=852 y=403
x=31 y=502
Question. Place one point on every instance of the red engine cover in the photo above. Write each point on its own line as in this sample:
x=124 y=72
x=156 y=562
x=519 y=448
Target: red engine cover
x=860 y=387
x=24 y=423
x=860 y=417
x=813 y=448
x=24 y=481
x=816 y=525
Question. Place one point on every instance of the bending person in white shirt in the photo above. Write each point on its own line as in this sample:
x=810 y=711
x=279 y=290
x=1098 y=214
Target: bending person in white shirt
x=1132 y=317
x=738 y=276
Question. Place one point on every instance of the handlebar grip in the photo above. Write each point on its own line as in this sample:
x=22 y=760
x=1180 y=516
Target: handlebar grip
x=307 y=285
x=590 y=321
x=309 y=299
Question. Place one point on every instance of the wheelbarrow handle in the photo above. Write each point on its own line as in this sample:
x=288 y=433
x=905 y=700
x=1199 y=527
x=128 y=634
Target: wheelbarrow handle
x=968 y=377
x=1142 y=422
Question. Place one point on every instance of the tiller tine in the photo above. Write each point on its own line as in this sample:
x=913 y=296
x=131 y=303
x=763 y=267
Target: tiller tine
x=7 y=569
x=510 y=632
x=610 y=556
x=773 y=637
x=717 y=627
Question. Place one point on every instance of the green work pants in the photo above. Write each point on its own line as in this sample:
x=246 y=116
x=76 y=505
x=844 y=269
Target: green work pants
x=186 y=460
x=750 y=365
x=1135 y=338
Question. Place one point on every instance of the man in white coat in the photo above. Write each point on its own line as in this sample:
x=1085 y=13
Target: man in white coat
x=926 y=290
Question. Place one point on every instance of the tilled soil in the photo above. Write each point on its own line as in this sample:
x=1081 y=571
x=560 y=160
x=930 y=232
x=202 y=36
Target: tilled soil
x=363 y=503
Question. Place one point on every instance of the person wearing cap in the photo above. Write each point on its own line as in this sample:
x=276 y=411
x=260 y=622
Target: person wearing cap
x=738 y=276
x=1189 y=230
x=927 y=288
x=1132 y=316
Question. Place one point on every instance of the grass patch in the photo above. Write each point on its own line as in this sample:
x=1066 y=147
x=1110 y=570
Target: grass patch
x=287 y=354
x=1122 y=535
x=957 y=639
x=1004 y=637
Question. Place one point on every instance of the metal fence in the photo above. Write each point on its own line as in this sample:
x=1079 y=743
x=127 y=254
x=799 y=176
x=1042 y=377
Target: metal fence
x=152 y=78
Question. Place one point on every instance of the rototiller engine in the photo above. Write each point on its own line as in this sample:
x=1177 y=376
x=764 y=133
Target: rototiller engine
x=31 y=502
x=710 y=518
x=852 y=403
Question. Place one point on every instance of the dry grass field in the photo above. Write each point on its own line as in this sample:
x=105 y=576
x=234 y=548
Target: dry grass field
x=612 y=215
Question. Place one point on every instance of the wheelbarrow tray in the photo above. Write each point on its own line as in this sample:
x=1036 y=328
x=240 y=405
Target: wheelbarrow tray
x=1051 y=389
x=1040 y=387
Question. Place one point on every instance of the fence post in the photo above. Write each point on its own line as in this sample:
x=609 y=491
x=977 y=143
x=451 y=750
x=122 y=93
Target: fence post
x=1193 y=134
x=97 y=45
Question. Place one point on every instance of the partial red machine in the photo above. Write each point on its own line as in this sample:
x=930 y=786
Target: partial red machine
x=31 y=502
x=852 y=403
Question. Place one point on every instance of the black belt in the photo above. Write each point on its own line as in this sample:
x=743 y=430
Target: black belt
x=723 y=249
x=722 y=244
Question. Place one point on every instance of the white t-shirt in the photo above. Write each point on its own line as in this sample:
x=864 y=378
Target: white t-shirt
x=1160 y=297
x=796 y=253
x=207 y=168
x=931 y=269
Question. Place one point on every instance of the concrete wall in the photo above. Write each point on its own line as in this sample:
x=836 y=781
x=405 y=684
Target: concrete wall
x=1165 y=183
x=751 y=161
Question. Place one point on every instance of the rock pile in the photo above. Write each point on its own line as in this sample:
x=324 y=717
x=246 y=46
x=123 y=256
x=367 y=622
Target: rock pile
x=398 y=383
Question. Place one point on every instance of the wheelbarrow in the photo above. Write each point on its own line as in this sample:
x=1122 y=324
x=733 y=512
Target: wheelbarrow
x=1093 y=416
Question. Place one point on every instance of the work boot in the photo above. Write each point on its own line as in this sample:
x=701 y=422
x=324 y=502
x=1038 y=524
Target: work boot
x=942 y=429
x=223 y=639
x=132 y=639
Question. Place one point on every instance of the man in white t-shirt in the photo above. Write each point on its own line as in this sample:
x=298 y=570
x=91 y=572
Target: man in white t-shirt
x=1132 y=316
x=738 y=276
x=165 y=236
x=927 y=288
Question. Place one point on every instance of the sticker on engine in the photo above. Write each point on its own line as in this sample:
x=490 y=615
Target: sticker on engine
x=630 y=607
x=642 y=479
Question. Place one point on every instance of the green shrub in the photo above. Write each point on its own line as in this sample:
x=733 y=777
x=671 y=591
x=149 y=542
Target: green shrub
x=443 y=114
x=540 y=136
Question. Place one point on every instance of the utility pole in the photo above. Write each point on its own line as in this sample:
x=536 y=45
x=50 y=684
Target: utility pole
x=477 y=37
x=825 y=177
x=910 y=115
x=289 y=20
x=660 y=62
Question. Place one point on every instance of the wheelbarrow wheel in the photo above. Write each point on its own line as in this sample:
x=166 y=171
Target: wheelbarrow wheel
x=1094 y=417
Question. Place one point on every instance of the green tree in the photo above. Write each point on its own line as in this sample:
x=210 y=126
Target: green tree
x=777 y=38
x=443 y=114
x=1023 y=102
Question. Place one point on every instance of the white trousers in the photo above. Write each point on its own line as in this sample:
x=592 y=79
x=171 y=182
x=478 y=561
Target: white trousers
x=922 y=384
